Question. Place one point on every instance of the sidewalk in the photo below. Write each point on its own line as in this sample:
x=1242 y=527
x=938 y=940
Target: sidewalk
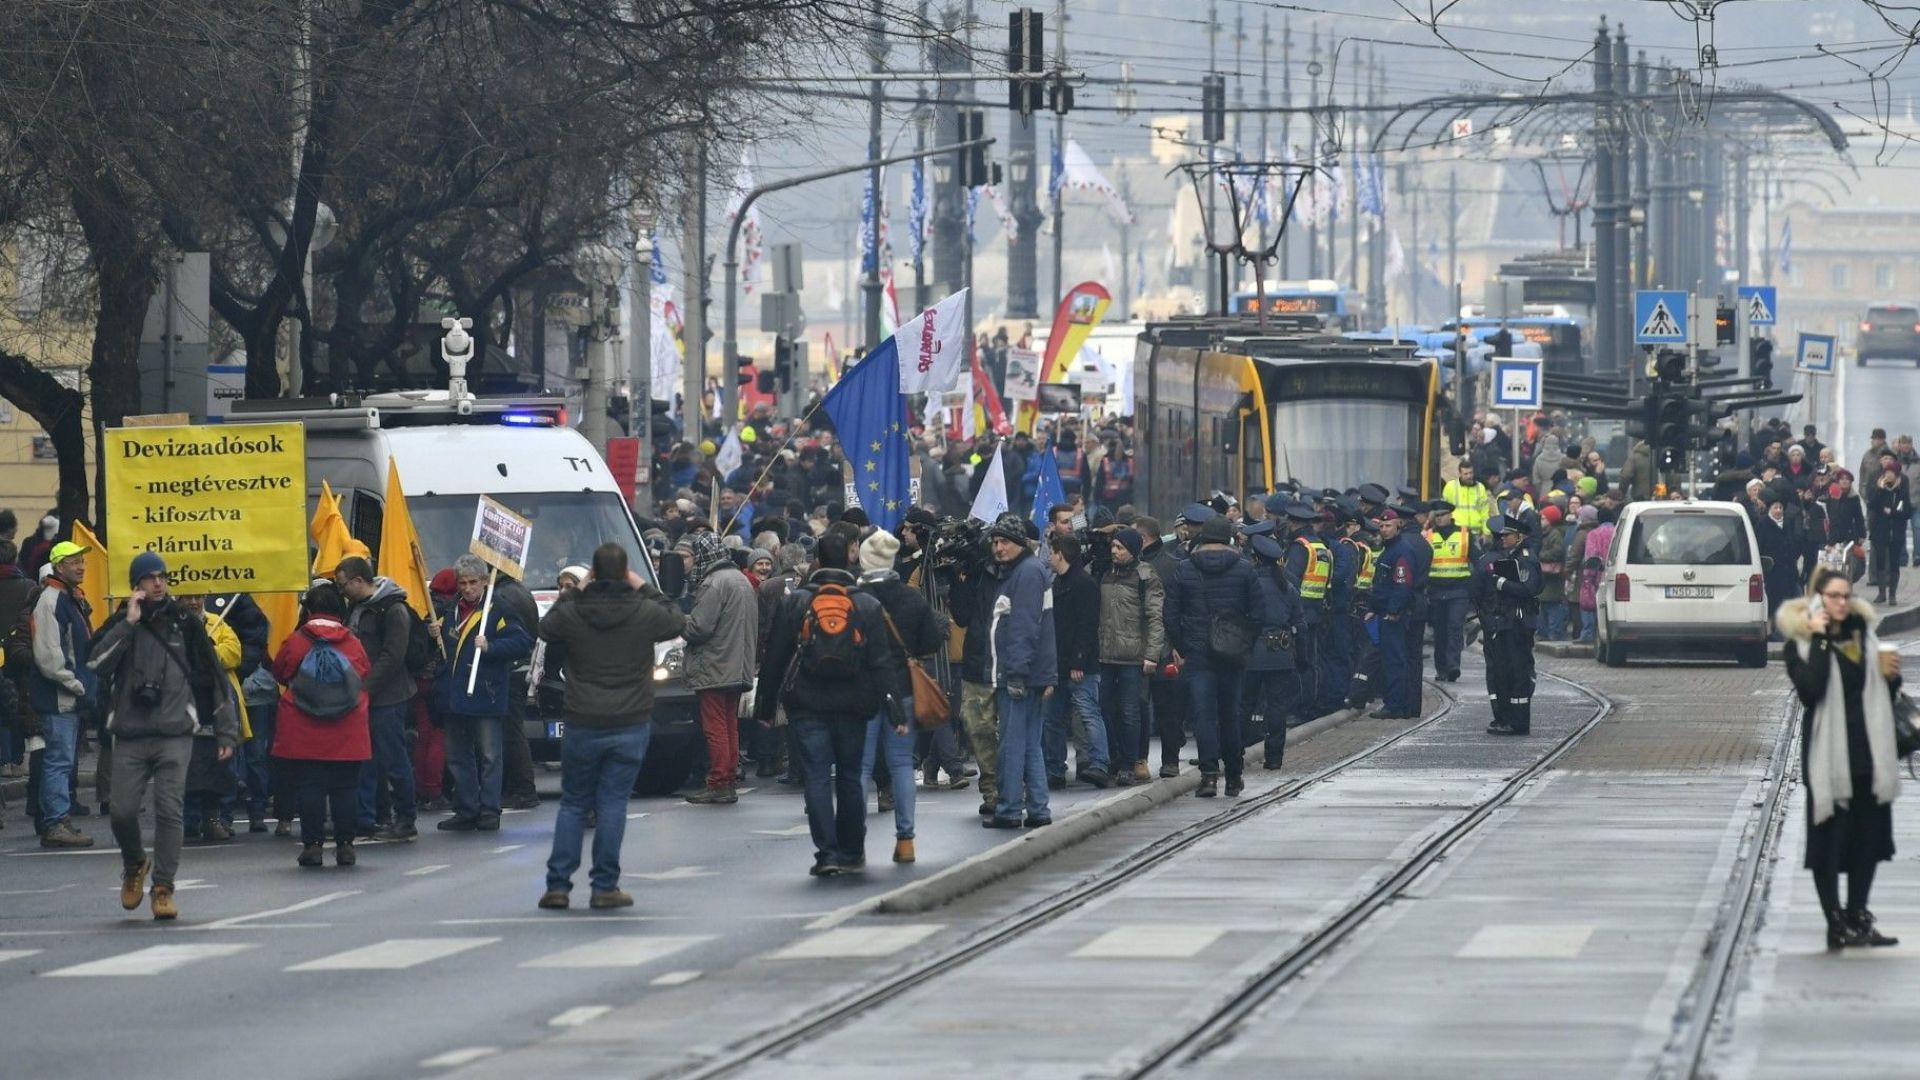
x=1894 y=619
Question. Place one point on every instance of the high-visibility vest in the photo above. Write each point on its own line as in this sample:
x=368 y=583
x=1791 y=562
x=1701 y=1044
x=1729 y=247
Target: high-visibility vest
x=1472 y=505
x=1313 y=584
x=1449 y=556
x=1365 y=580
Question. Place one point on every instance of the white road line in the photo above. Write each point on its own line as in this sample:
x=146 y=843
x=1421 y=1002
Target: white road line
x=35 y=892
x=237 y=920
x=675 y=978
x=453 y=1059
x=16 y=954
x=394 y=954
x=72 y=851
x=678 y=873
x=1516 y=941
x=636 y=817
x=579 y=1015
x=797 y=830
x=423 y=871
x=151 y=961
x=615 y=952
x=549 y=920
x=859 y=942
x=1150 y=943
x=504 y=848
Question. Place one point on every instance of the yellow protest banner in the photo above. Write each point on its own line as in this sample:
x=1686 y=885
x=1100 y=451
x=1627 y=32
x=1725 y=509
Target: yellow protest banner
x=224 y=506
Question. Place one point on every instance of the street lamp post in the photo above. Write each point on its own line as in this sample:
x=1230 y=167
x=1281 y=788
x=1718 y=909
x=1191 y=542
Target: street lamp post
x=598 y=267
x=640 y=354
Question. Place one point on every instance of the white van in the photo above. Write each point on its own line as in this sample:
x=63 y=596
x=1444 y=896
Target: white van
x=1682 y=578
x=520 y=452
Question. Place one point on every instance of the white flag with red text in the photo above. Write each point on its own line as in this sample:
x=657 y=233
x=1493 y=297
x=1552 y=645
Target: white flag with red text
x=933 y=347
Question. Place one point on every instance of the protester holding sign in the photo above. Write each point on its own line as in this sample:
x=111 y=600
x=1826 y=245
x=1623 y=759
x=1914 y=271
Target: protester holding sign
x=483 y=644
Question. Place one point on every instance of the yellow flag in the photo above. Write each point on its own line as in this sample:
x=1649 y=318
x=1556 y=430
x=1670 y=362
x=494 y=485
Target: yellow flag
x=400 y=556
x=96 y=563
x=283 y=616
x=330 y=536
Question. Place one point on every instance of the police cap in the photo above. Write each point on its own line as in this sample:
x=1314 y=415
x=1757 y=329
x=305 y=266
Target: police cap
x=1302 y=512
x=1515 y=523
x=1266 y=547
x=1259 y=528
x=1195 y=514
x=1439 y=506
x=1374 y=494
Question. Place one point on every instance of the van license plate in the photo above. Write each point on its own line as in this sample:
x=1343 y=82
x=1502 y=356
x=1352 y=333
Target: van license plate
x=556 y=729
x=1689 y=592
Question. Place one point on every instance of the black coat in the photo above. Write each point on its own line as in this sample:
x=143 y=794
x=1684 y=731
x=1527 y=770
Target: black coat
x=1214 y=579
x=1076 y=620
x=922 y=629
x=843 y=700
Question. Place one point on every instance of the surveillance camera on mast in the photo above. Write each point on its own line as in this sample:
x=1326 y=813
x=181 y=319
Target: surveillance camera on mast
x=456 y=348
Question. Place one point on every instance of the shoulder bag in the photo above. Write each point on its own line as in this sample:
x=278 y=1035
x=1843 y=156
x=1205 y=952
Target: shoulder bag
x=930 y=705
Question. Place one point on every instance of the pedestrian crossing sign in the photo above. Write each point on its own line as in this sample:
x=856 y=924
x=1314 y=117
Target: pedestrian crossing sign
x=1761 y=303
x=1660 y=317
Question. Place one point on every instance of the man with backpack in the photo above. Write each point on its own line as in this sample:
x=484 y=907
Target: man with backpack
x=1214 y=613
x=58 y=684
x=829 y=658
x=160 y=680
x=378 y=614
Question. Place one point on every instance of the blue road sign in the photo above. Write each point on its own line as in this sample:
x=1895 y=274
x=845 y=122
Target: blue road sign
x=1761 y=304
x=1815 y=356
x=1516 y=383
x=1660 y=317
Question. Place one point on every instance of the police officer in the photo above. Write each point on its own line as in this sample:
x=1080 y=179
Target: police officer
x=1394 y=596
x=1415 y=534
x=1449 y=587
x=1506 y=590
x=1273 y=689
x=1364 y=683
x=1309 y=565
x=1334 y=649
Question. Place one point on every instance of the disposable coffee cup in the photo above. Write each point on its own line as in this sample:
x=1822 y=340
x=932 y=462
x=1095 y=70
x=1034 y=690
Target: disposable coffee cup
x=1888 y=647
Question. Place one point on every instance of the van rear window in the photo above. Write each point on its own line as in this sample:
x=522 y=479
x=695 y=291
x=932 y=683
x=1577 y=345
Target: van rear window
x=1689 y=539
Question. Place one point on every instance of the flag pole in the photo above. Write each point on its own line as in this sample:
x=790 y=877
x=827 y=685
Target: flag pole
x=480 y=630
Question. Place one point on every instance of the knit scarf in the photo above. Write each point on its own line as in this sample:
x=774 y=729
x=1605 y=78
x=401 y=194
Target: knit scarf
x=1829 y=770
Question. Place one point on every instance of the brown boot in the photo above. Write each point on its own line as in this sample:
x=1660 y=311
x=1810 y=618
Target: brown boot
x=609 y=898
x=903 y=850
x=1141 y=774
x=163 y=908
x=133 y=883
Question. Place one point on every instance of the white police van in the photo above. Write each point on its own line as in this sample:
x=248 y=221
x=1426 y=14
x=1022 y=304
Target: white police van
x=452 y=448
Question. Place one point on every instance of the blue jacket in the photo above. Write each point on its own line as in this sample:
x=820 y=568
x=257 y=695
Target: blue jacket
x=1021 y=633
x=1297 y=557
x=1281 y=616
x=1346 y=569
x=1394 y=576
x=507 y=643
x=62 y=642
x=1215 y=578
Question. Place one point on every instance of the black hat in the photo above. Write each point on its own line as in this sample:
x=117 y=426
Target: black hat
x=1302 y=512
x=1195 y=514
x=1008 y=526
x=1374 y=493
x=1266 y=547
x=1409 y=495
x=1515 y=523
x=1439 y=506
x=1216 y=530
x=1258 y=528
x=1399 y=512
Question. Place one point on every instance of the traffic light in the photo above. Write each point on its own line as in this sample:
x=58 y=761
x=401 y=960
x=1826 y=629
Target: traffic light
x=1060 y=95
x=1026 y=60
x=1670 y=366
x=782 y=373
x=1723 y=329
x=1213 y=108
x=973 y=159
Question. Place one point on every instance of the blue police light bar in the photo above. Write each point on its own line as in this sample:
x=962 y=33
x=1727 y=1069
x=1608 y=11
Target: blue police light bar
x=521 y=419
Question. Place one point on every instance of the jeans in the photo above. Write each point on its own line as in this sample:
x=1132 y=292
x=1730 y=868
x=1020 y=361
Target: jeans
x=720 y=723
x=831 y=746
x=473 y=756
x=318 y=785
x=899 y=762
x=1587 y=625
x=62 y=732
x=1553 y=620
x=597 y=769
x=388 y=725
x=1120 y=688
x=940 y=749
x=159 y=762
x=1214 y=697
x=256 y=758
x=1023 y=768
x=1071 y=702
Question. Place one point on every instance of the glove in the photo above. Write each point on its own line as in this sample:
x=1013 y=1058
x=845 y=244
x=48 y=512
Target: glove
x=1017 y=691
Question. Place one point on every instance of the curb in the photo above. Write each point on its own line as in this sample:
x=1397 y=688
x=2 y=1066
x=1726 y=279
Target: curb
x=987 y=867
x=1564 y=649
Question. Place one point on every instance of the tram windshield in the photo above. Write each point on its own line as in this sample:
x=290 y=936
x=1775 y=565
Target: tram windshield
x=1344 y=444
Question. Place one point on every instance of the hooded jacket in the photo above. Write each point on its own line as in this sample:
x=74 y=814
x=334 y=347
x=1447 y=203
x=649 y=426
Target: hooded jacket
x=168 y=649
x=802 y=692
x=1214 y=579
x=1022 y=645
x=383 y=624
x=604 y=635
x=1132 y=614
x=722 y=631
x=298 y=736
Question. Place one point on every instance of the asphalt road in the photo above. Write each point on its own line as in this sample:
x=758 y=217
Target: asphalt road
x=1881 y=395
x=261 y=975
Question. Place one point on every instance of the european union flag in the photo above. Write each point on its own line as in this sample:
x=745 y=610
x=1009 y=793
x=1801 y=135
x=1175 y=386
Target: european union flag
x=1048 y=492
x=869 y=416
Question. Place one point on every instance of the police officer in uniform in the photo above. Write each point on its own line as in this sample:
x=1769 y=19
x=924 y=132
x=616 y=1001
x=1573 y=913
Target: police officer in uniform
x=1273 y=688
x=1506 y=591
x=1336 y=645
x=1415 y=534
x=1449 y=587
x=1309 y=565
x=1363 y=683
x=1394 y=597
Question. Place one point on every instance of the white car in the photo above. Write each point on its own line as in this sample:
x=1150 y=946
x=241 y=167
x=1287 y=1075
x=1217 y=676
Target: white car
x=1682 y=578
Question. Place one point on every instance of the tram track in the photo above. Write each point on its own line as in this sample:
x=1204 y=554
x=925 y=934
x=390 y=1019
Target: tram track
x=771 y=1043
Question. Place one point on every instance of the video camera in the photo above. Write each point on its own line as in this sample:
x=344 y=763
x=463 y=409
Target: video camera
x=958 y=543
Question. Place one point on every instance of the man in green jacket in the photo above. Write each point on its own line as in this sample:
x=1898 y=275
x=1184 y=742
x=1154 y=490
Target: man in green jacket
x=602 y=637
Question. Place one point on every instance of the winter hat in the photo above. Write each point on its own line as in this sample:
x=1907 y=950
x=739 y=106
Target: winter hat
x=1589 y=515
x=577 y=573
x=708 y=554
x=145 y=565
x=1216 y=530
x=1586 y=486
x=1551 y=515
x=878 y=551
x=444 y=583
x=761 y=558
x=1130 y=540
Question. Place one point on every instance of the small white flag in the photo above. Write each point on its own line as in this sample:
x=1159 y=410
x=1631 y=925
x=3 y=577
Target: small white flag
x=731 y=454
x=991 y=502
x=933 y=347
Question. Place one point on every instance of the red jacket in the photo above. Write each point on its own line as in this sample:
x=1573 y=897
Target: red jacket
x=304 y=738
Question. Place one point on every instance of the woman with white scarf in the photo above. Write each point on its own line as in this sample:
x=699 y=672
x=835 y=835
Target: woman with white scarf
x=1847 y=684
